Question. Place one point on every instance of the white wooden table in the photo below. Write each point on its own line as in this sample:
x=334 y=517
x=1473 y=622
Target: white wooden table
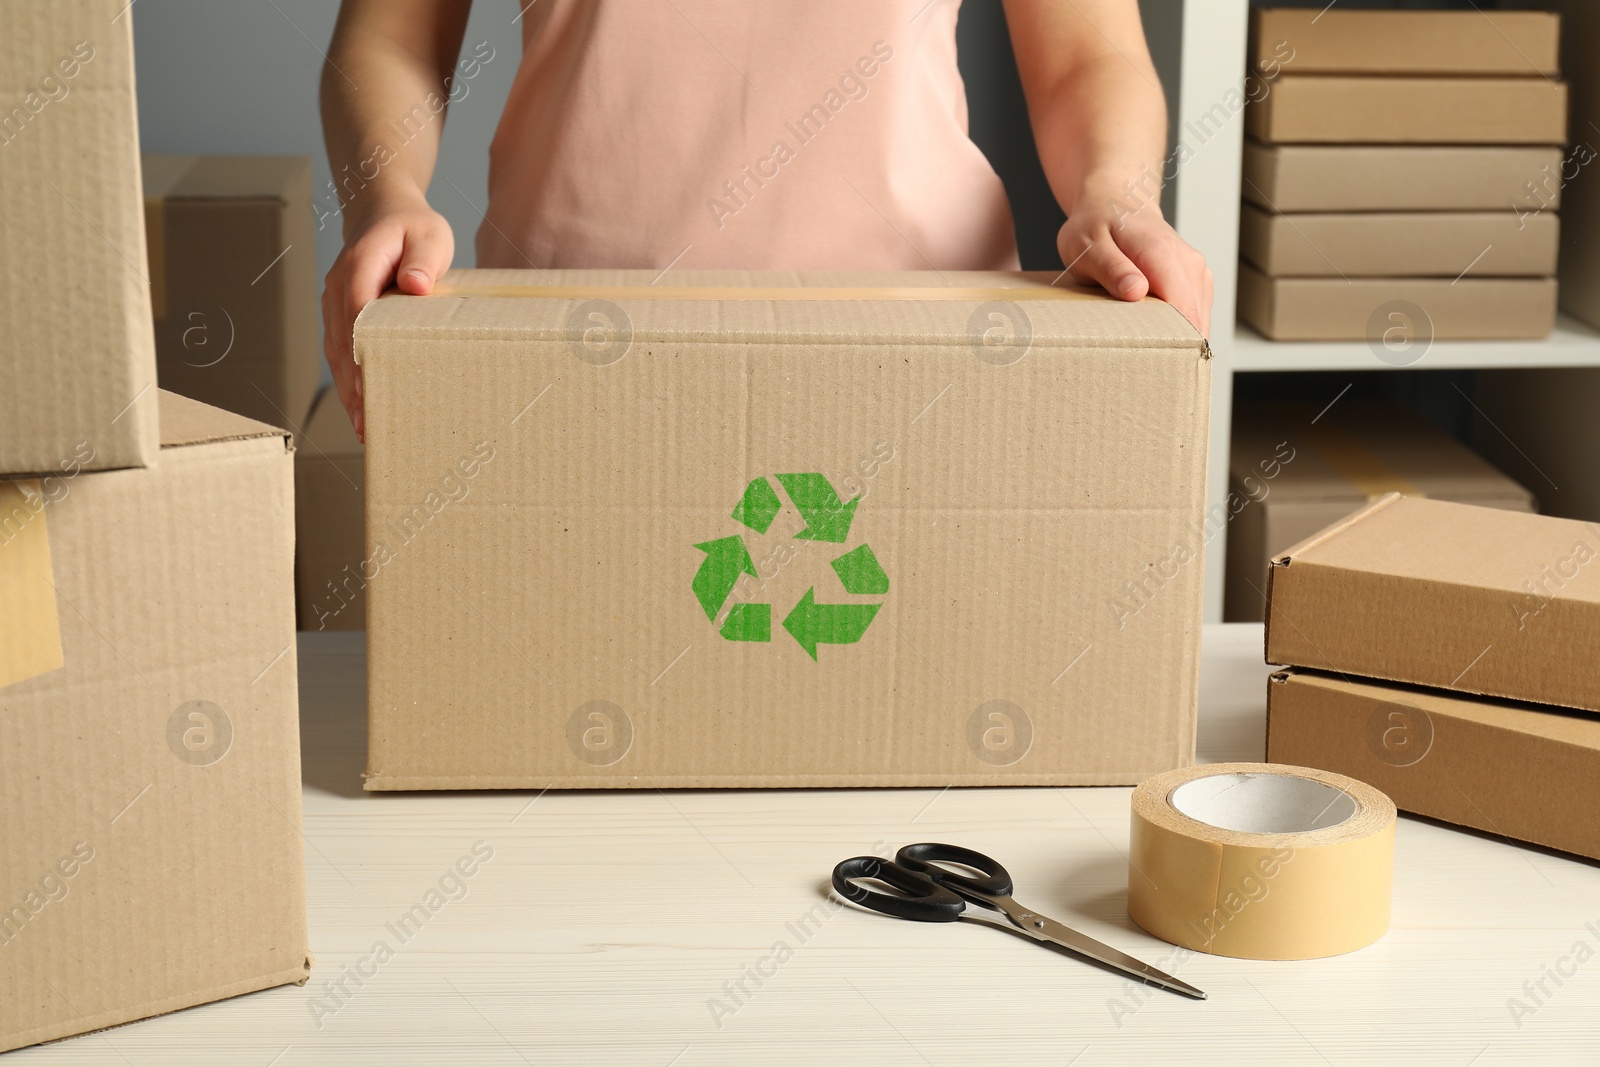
x=613 y=927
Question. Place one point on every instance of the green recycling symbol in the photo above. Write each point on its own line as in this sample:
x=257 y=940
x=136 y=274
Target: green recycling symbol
x=809 y=622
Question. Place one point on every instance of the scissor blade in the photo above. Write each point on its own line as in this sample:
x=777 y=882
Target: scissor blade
x=1042 y=929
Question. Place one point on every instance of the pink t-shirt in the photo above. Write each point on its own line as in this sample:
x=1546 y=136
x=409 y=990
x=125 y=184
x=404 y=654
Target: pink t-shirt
x=752 y=134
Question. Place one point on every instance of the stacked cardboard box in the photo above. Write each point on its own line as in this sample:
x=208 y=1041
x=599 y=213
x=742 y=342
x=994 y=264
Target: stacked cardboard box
x=1296 y=468
x=1445 y=653
x=78 y=381
x=150 y=854
x=233 y=282
x=1403 y=175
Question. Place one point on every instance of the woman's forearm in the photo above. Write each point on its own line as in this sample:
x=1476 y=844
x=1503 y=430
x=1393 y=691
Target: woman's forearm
x=384 y=92
x=1101 y=132
x=1100 y=124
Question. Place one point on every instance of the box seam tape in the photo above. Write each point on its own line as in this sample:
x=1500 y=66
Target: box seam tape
x=30 y=630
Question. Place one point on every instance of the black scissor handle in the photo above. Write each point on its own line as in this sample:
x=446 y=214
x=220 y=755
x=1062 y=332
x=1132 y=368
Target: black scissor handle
x=995 y=880
x=926 y=901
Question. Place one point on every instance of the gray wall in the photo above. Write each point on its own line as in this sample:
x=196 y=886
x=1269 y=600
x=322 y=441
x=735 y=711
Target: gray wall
x=241 y=78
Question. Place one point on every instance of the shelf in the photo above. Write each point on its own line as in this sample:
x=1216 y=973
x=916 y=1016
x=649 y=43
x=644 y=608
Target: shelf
x=1573 y=344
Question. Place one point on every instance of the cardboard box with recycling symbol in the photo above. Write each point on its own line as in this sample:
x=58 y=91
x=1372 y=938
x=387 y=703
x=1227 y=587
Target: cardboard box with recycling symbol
x=728 y=568
x=771 y=529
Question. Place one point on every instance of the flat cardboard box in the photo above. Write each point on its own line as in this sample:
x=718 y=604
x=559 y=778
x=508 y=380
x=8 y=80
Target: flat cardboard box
x=1303 y=467
x=1393 y=244
x=233 y=282
x=1292 y=178
x=77 y=381
x=1340 y=41
x=1477 y=600
x=151 y=856
x=329 y=486
x=1337 y=109
x=1518 y=770
x=1394 y=313
x=1297 y=178
x=567 y=471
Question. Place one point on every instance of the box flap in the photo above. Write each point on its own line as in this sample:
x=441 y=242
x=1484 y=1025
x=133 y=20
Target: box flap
x=275 y=178
x=1455 y=544
x=189 y=422
x=773 y=307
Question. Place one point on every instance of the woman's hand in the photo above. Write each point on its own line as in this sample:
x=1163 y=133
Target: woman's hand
x=1100 y=123
x=404 y=243
x=384 y=55
x=1133 y=254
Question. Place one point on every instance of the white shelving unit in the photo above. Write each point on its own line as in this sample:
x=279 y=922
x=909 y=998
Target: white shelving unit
x=1206 y=213
x=1573 y=344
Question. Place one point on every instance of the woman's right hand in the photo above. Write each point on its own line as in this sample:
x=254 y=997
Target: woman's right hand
x=403 y=243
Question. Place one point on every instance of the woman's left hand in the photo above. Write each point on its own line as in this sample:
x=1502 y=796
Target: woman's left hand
x=1136 y=254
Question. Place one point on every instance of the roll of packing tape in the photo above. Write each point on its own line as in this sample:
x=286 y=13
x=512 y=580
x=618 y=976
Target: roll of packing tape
x=1260 y=860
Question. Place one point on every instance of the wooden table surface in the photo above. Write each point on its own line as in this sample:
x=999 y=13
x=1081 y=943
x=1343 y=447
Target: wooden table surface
x=614 y=928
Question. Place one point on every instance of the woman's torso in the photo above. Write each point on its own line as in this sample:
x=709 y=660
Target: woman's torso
x=755 y=135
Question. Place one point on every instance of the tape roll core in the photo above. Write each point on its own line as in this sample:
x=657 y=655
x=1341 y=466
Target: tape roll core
x=1263 y=803
x=1261 y=861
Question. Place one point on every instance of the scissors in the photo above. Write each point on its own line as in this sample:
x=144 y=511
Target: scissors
x=936 y=894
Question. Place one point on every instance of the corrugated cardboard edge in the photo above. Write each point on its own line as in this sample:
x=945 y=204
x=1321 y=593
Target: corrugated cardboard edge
x=105 y=1020
x=186 y=422
x=378 y=782
x=1455 y=704
x=1283 y=559
x=463 y=295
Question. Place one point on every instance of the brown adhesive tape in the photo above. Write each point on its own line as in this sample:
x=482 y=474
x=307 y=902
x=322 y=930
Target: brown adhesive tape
x=1357 y=465
x=799 y=292
x=1261 y=861
x=30 y=633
